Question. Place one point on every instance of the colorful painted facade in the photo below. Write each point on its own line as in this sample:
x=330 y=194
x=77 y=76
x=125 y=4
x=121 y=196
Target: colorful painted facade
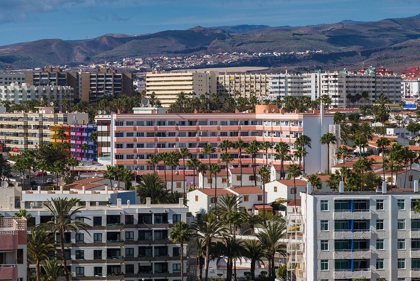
x=83 y=142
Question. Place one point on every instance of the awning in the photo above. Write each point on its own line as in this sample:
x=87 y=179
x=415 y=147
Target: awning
x=261 y=207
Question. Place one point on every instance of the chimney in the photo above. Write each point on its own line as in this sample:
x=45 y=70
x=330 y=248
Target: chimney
x=384 y=187
x=39 y=189
x=309 y=188
x=61 y=189
x=118 y=203
x=181 y=202
x=148 y=202
x=341 y=187
x=87 y=205
x=128 y=203
x=83 y=189
x=416 y=186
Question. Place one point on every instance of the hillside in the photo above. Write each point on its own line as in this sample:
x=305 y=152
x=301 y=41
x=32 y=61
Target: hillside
x=389 y=42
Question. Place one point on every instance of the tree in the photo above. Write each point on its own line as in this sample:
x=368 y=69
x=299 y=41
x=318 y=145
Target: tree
x=93 y=137
x=164 y=157
x=85 y=147
x=207 y=228
x=110 y=174
x=339 y=117
x=294 y=172
x=265 y=175
x=214 y=170
x=202 y=169
x=252 y=150
x=52 y=270
x=194 y=164
x=343 y=152
x=266 y=146
x=39 y=248
x=361 y=143
x=153 y=161
x=181 y=233
x=28 y=161
x=64 y=213
x=328 y=139
x=227 y=158
x=72 y=162
x=20 y=166
x=254 y=251
x=301 y=142
x=173 y=162
x=413 y=128
x=231 y=248
x=240 y=145
x=152 y=186
x=315 y=181
x=23 y=213
x=57 y=169
x=184 y=153
x=282 y=154
x=208 y=149
x=270 y=237
x=360 y=167
x=119 y=171
x=382 y=143
x=127 y=177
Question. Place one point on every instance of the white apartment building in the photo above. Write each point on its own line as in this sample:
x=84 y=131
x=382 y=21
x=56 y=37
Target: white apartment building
x=245 y=84
x=17 y=93
x=126 y=241
x=359 y=235
x=167 y=85
x=411 y=87
x=7 y=78
x=286 y=85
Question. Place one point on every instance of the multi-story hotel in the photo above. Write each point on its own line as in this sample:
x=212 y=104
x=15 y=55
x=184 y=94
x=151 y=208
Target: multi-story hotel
x=285 y=85
x=167 y=85
x=13 y=252
x=17 y=93
x=103 y=82
x=82 y=134
x=358 y=235
x=26 y=130
x=244 y=84
x=136 y=136
x=7 y=78
x=125 y=241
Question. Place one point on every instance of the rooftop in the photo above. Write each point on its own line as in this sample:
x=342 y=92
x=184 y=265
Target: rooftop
x=247 y=190
x=291 y=182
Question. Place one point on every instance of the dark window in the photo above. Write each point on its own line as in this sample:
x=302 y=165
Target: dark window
x=80 y=237
x=97 y=254
x=97 y=221
x=97 y=237
x=19 y=256
x=80 y=254
x=80 y=271
x=129 y=252
x=129 y=219
x=97 y=271
x=176 y=251
x=129 y=268
x=176 y=218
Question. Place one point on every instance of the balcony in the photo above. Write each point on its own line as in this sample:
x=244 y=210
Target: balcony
x=8 y=272
x=362 y=273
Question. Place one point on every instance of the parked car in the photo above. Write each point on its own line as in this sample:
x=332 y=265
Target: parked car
x=40 y=174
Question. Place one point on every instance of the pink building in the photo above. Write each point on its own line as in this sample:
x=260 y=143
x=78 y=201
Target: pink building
x=13 y=237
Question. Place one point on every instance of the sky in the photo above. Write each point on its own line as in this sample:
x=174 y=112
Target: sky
x=29 y=20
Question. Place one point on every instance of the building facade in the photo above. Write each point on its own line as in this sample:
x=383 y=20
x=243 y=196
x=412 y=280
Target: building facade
x=244 y=84
x=7 y=78
x=80 y=135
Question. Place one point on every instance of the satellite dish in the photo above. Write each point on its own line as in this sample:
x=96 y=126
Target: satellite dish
x=145 y=101
x=4 y=184
x=51 y=103
x=99 y=112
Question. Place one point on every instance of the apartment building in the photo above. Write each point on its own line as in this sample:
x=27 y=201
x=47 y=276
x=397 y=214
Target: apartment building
x=286 y=85
x=21 y=131
x=244 y=84
x=15 y=93
x=82 y=134
x=8 y=78
x=134 y=137
x=359 y=235
x=103 y=123
x=50 y=76
x=126 y=241
x=167 y=85
x=13 y=251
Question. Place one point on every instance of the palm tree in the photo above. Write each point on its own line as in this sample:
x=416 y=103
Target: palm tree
x=343 y=152
x=64 y=213
x=153 y=161
x=315 y=181
x=266 y=146
x=270 y=237
x=194 y=164
x=208 y=149
x=181 y=233
x=93 y=137
x=164 y=157
x=382 y=143
x=240 y=145
x=200 y=256
x=227 y=158
x=110 y=174
x=282 y=150
x=20 y=166
x=23 y=213
x=252 y=150
x=361 y=166
x=207 y=228
x=72 y=162
x=294 y=172
x=127 y=177
x=202 y=169
x=301 y=143
x=265 y=174
x=39 y=248
x=328 y=139
x=52 y=270
x=214 y=170
x=254 y=251
x=361 y=143
x=173 y=161
x=57 y=169
x=119 y=170
x=231 y=248
x=152 y=186
x=184 y=153
x=28 y=158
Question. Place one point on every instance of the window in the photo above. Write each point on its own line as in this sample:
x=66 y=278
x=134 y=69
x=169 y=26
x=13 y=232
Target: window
x=176 y=218
x=238 y=177
x=178 y=184
x=246 y=198
x=379 y=244
x=259 y=197
x=324 y=245
x=97 y=271
x=176 y=267
x=401 y=204
x=224 y=180
x=379 y=204
x=176 y=251
x=380 y=224
x=213 y=200
x=324 y=264
x=401 y=263
x=324 y=205
x=97 y=237
x=19 y=256
x=129 y=268
x=324 y=225
x=401 y=224
x=80 y=237
x=415 y=264
x=80 y=254
x=129 y=252
x=379 y=264
x=80 y=271
x=252 y=178
x=129 y=235
x=97 y=254
x=97 y=221
x=401 y=244
x=209 y=181
x=196 y=198
x=275 y=189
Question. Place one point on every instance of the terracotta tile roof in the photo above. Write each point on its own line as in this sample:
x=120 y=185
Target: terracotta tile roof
x=85 y=182
x=291 y=183
x=210 y=191
x=245 y=170
x=261 y=207
x=297 y=202
x=247 y=190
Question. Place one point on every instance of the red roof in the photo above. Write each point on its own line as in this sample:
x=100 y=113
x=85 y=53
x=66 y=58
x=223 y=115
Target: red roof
x=247 y=190
x=297 y=202
x=291 y=182
x=261 y=207
x=87 y=183
x=245 y=170
x=210 y=191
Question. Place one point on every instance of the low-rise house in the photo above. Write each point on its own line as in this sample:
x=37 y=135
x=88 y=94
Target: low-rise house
x=208 y=181
x=283 y=189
